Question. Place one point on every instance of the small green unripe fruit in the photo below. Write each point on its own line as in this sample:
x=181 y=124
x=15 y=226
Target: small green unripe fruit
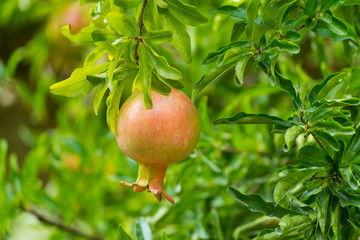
x=157 y=137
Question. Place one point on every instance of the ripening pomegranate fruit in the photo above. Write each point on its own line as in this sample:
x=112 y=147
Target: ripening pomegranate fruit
x=157 y=137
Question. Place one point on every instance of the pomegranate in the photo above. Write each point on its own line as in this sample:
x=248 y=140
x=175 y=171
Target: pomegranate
x=157 y=137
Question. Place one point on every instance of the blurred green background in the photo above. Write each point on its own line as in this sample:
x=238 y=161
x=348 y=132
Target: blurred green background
x=63 y=162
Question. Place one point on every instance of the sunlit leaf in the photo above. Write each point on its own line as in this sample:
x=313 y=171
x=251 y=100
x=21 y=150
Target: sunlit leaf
x=80 y=82
x=186 y=13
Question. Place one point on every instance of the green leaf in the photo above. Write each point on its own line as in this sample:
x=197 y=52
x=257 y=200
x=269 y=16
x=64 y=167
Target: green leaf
x=255 y=203
x=283 y=46
x=212 y=75
x=162 y=4
x=290 y=224
x=263 y=6
x=159 y=84
x=83 y=36
x=290 y=136
x=355 y=224
x=238 y=52
x=151 y=18
x=127 y=3
x=322 y=202
x=79 y=83
x=112 y=103
x=290 y=228
x=310 y=7
x=335 y=219
x=113 y=64
x=292 y=36
x=244 y=118
x=186 y=13
x=16 y=57
x=349 y=176
x=296 y=178
x=326 y=113
x=280 y=14
x=180 y=38
x=311 y=156
x=239 y=70
x=122 y=235
x=310 y=23
x=237 y=13
x=3 y=170
x=99 y=96
x=143 y=79
x=142 y=229
x=174 y=83
x=338 y=26
x=322 y=89
x=158 y=36
x=105 y=35
x=123 y=24
x=323 y=29
x=325 y=5
x=217 y=225
x=162 y=66
x=238 y=30
x=349 y=2
x=164 y=236
x=333 y=127
x=326 y=139
x=287 y=86
x=346 y=198
x=94 y=56
x=322 y=104
x=213 y=56
x=353 y=146
x=251 y=13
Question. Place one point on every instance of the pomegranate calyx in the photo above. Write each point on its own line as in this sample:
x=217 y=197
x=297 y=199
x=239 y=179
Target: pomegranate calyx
x=151 y=178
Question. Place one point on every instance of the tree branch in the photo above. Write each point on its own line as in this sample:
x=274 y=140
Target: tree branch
x=61 y=226
x=140 y=24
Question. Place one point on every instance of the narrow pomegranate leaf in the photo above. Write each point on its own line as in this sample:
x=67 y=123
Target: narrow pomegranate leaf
x=112 y=103
x=162 y=66
x=158 y=36
x=188 y=14
x=123 y=24
x=245 y=118
x=257 y=204
x=99 y=96
x=180 y=38
x=122 y=234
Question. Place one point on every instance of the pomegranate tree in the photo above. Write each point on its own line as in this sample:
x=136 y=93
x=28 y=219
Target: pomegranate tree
x=157 y=137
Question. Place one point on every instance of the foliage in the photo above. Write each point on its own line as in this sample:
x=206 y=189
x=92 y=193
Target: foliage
x=282 y=90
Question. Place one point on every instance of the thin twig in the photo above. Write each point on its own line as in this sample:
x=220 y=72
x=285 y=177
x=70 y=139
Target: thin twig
x=299 y=28
x=352 y=40
x=140 y=24
x=320 y=144
x=323 y=177
x=61 y=226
